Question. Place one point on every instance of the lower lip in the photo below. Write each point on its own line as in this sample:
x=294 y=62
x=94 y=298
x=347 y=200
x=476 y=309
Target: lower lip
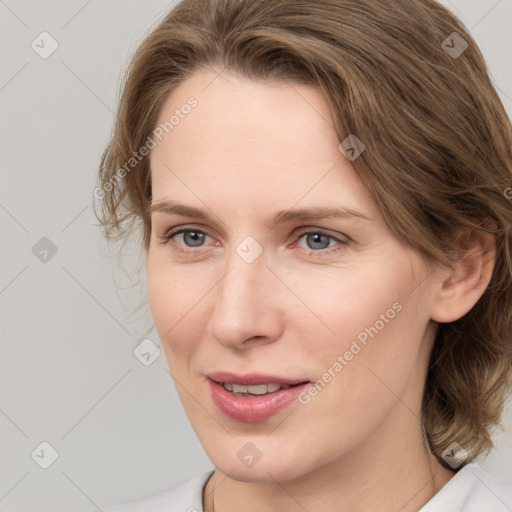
x=253 y=410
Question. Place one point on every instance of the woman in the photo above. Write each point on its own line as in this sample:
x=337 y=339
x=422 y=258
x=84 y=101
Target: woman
x=321 y=187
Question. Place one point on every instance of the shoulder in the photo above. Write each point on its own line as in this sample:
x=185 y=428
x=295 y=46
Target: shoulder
x=186 y=497
x=472 y=490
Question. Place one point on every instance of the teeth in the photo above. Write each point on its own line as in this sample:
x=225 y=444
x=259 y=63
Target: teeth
x=239 y=388
x=271 y=388
x=260 y=389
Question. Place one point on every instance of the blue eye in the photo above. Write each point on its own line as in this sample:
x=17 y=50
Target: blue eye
x=192 y=238
x=317 y=242
x=193 y=241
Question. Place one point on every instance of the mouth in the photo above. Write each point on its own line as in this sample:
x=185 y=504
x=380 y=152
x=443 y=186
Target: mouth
x=253 y=383
x=253 y=398
x=256 y=390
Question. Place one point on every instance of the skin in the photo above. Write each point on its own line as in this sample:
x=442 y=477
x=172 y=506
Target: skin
x=247 y=151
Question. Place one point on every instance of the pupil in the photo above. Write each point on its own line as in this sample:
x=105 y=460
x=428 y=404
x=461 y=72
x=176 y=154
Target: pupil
x=316 y=238
x=197 y=238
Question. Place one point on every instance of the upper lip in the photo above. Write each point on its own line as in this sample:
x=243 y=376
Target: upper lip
x=252 y=379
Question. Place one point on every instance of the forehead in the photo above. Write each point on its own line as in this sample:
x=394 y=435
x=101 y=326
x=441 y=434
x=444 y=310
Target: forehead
x=234 y=113
x=258 y=140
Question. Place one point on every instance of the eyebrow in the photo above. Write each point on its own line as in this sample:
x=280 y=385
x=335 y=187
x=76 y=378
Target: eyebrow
x=303 y=214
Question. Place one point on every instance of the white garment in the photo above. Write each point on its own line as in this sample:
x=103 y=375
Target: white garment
x=471 y=489
x=187 y=497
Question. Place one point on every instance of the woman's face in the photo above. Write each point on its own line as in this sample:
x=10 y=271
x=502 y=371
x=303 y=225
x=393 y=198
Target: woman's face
x=252 y=287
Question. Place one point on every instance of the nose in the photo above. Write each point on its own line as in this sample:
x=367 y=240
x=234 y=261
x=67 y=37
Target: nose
x=248 y=305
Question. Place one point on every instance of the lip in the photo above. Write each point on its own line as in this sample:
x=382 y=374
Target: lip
x=255 y=409
x=252 y=379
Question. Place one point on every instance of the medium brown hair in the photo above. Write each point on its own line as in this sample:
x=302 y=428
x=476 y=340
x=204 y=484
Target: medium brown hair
x=438 y=154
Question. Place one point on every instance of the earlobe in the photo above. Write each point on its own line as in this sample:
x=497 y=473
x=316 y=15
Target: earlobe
x=467 y=280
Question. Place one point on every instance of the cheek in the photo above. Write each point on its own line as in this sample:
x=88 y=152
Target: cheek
x=379 y=360
x=347 y=304
x=368 y=329
x=173 y=301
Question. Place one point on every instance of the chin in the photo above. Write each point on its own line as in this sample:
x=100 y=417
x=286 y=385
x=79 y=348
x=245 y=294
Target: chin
x=268 y=468
x=262 y=473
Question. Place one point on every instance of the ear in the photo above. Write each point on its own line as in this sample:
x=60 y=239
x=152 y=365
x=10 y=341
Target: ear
x=464 y=283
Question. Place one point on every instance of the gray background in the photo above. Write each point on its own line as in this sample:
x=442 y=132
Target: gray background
x=68 y=372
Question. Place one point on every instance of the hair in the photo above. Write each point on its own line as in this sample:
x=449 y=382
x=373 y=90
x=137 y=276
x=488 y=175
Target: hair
x=438 y=154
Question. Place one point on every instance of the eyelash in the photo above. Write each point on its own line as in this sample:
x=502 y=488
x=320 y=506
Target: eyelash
x=167 y=237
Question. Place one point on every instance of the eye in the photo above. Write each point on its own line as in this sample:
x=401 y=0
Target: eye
x=190 y=240
x=317 y=242
x=186 y=240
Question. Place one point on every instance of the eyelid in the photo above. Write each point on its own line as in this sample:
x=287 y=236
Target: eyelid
x=341 y=243
x=337 y=236
x=342 y=240
x=297 y=233
x=186 y=227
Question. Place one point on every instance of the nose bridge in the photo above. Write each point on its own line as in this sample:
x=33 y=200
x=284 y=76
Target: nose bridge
x=244 y=306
